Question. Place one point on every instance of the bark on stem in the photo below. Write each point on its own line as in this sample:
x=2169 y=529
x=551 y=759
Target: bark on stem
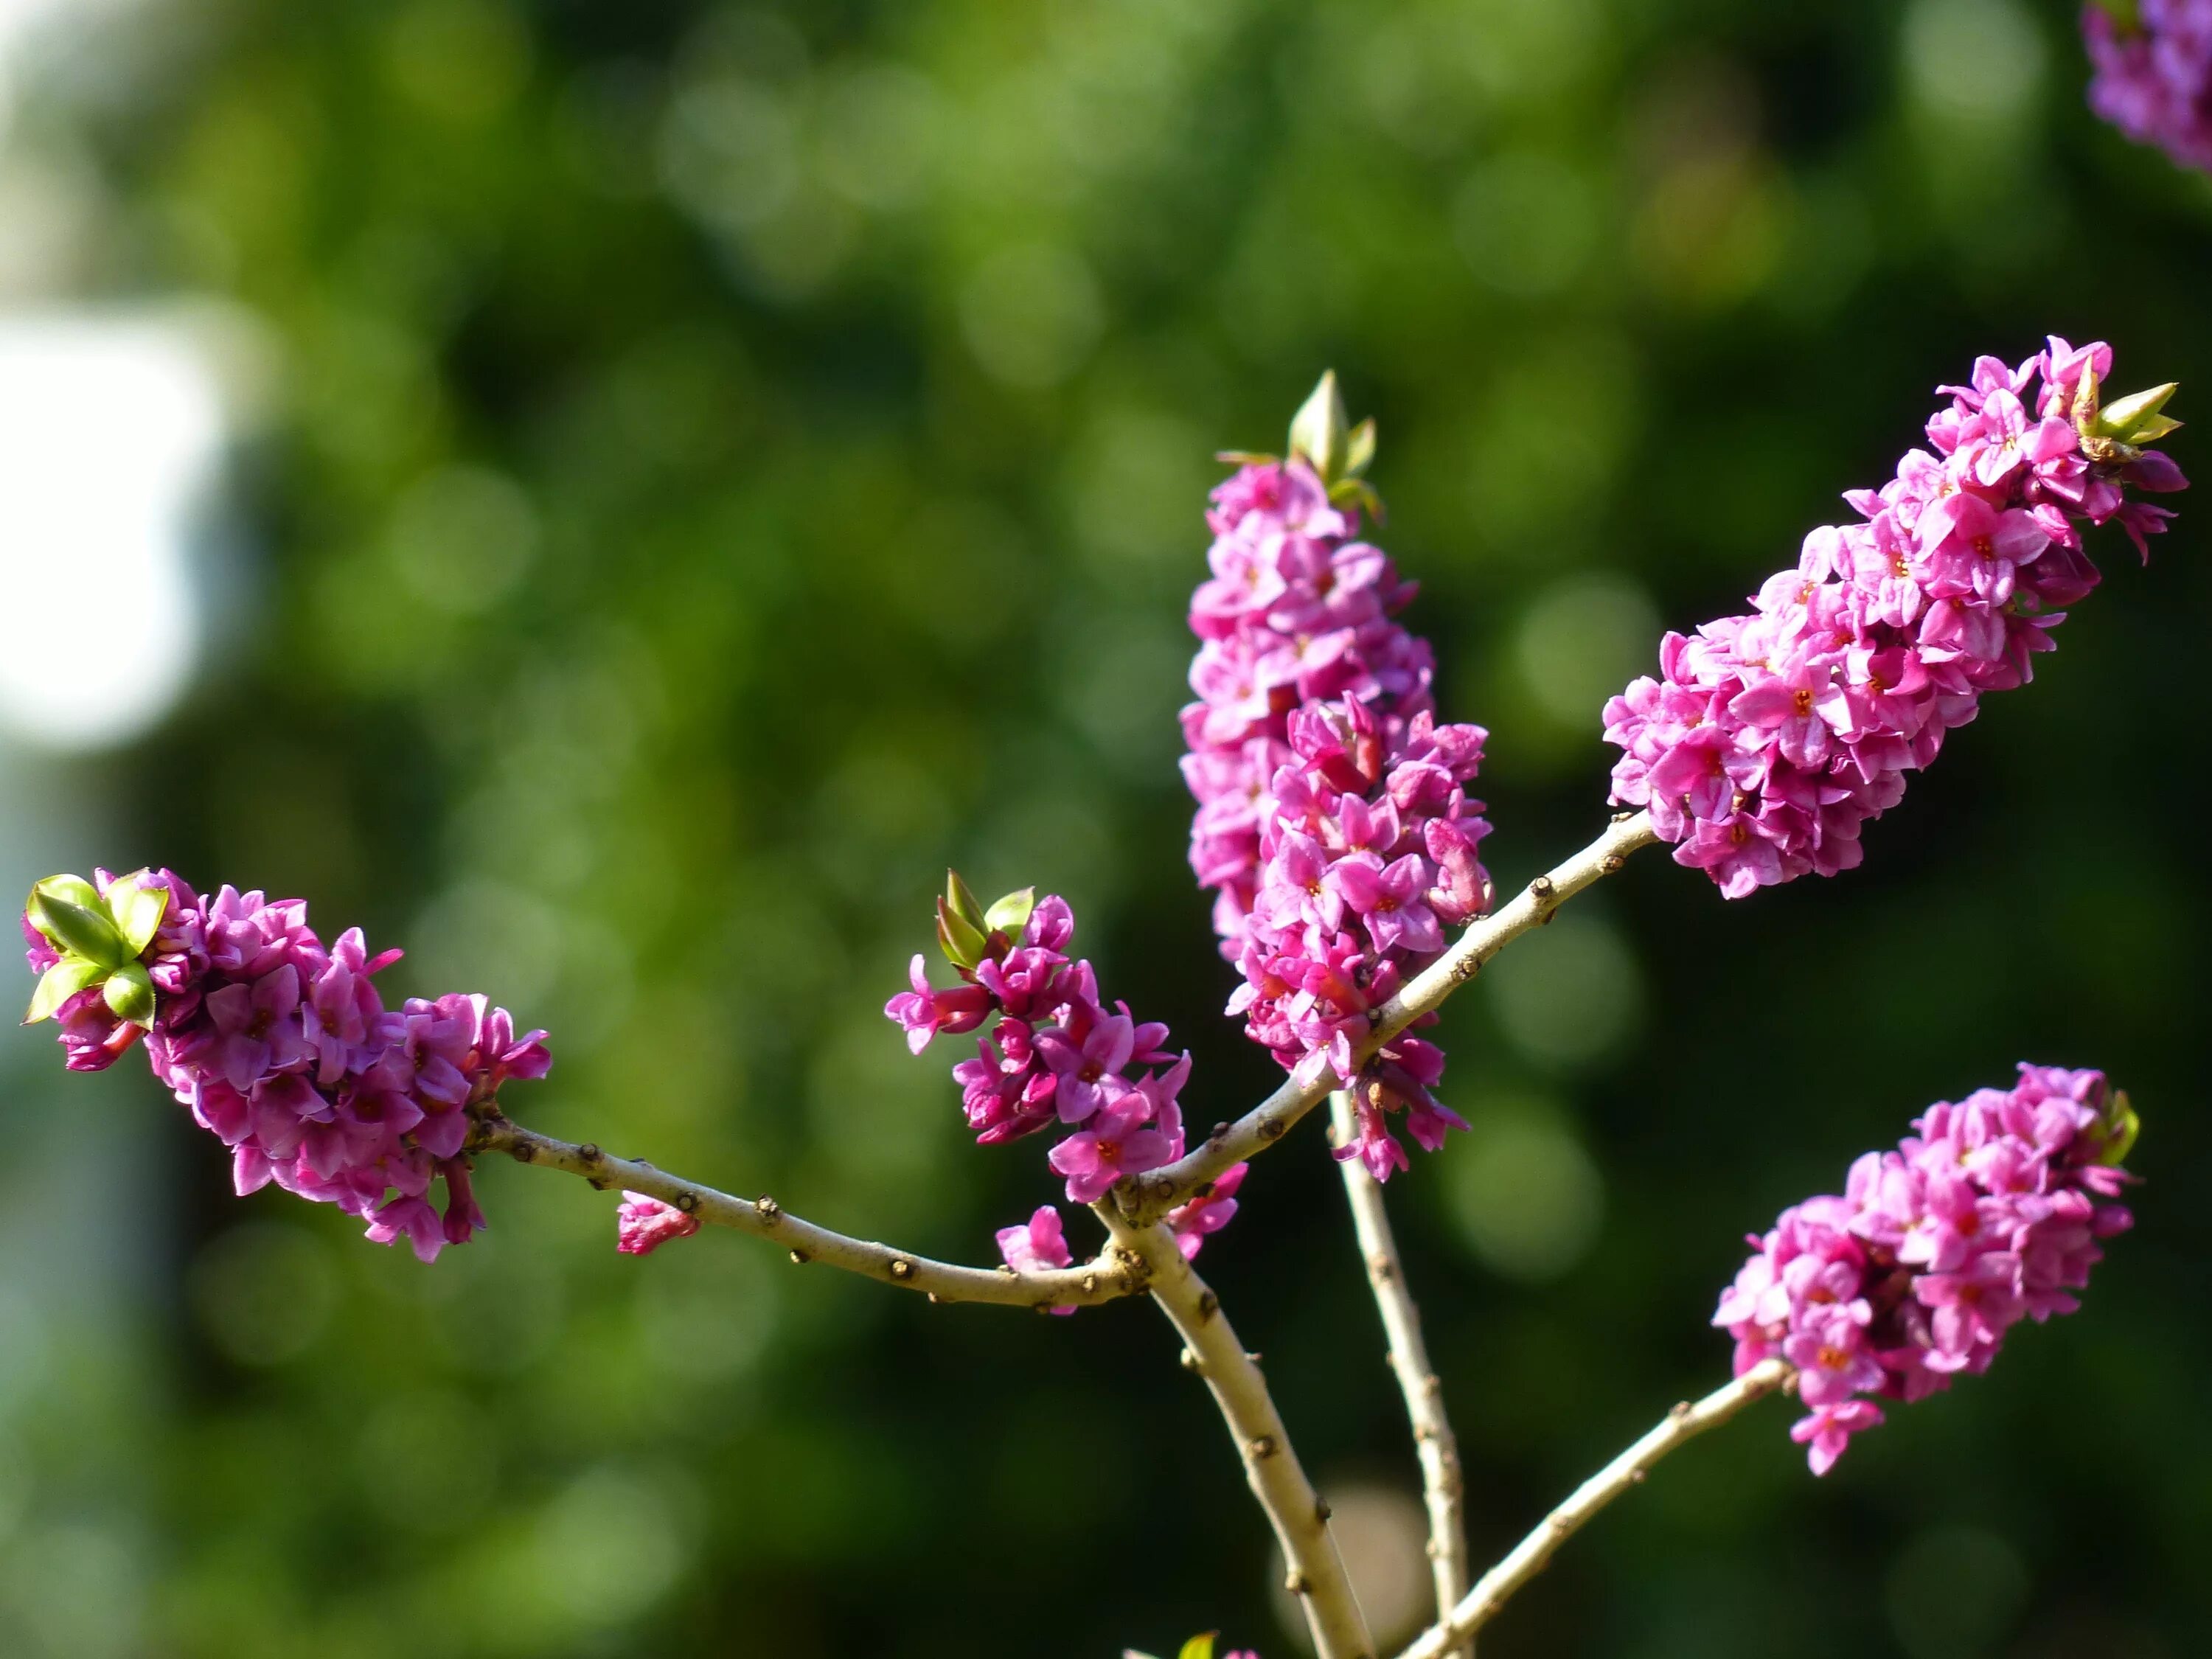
x=1317 y=1574
x=1686 y=1422
x=1442 y=1484
x=1101 y=1280
x=1148 y=1197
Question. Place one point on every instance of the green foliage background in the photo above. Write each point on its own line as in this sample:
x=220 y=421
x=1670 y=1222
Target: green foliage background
x=723 y=464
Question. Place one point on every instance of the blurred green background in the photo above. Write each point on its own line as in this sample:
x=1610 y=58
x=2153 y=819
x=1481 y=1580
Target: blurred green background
x=693 y=472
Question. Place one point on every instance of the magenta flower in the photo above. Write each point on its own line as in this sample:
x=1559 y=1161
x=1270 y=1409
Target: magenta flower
x=1799 y=705
x=1090 y=1071
x=1117 y=1144
x=924 y=1011
x=643 y=1225
x=1212 y=1209
x=1038 y=1244
x=1391 y=899
x=1829 y=1430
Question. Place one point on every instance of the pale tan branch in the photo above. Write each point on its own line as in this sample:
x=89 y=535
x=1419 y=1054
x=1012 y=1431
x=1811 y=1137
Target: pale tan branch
x=1101 y=1280
x=1684 y=1422
x=1315 y=1572
x=1442 y=1482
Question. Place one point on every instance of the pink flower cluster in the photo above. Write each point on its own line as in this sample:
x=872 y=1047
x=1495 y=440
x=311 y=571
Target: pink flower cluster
x=1989 y=1215
x=283 y=1048
x=2153 y=74
x=1055 y=1056
x=1334 y=820
x=1770 y=739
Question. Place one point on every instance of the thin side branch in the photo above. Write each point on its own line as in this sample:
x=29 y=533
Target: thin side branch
x=1686 y=1422
x=1147 y=1197
x=1442 y=1484
x=1104 y=1279
x=1317 y=1574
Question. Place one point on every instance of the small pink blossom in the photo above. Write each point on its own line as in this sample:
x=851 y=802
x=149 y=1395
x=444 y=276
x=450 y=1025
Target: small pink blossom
x=643 y=1225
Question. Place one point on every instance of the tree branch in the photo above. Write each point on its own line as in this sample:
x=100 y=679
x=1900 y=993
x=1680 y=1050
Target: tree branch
x=1442 y=1485
x=1104 y=1279
x=1147 y=1197
x=1686 y=1422
x=1317 y=1574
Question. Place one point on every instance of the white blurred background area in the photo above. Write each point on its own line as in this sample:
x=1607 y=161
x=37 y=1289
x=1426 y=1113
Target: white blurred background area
x=113 y=423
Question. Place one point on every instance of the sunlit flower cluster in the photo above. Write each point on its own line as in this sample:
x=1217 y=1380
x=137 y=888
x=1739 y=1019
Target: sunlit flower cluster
x=1055 y=1056
x=278 y=1044
x=1333 y=822
x=1768 y=740
x=1991 y=1212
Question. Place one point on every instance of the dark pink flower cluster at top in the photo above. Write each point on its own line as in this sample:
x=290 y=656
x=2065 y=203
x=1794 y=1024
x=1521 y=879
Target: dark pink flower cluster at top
x=1056 y=1056
x=1334 y=823
x=282 y=1047
x=1989 y=1215
x=2153 y=79
x=1769 y=740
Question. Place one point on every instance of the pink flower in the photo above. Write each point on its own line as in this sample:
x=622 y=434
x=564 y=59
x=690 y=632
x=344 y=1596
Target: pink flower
x=1829 y=1430
x=1196 y=1221
x=1039 y=1244
x=1115 y=1144
x=1391 y=899
x=1090 y=1071
x=643 y=1225
x=924 y=1011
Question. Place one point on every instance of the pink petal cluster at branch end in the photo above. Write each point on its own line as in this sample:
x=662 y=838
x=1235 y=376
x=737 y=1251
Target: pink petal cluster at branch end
x=2153 y=74
x=1334 y=823
x=1769 y=740
x=644 y=1223
x=1990 y=1214
x=282 y=1047
x=1055 y=1056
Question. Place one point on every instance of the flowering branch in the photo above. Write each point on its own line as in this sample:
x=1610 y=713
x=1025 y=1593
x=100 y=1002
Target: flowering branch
x=1315 y=1572
x=1102 y=1281
x=1443 y=1486
x=1529 y=1558
x=1146 y=1197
